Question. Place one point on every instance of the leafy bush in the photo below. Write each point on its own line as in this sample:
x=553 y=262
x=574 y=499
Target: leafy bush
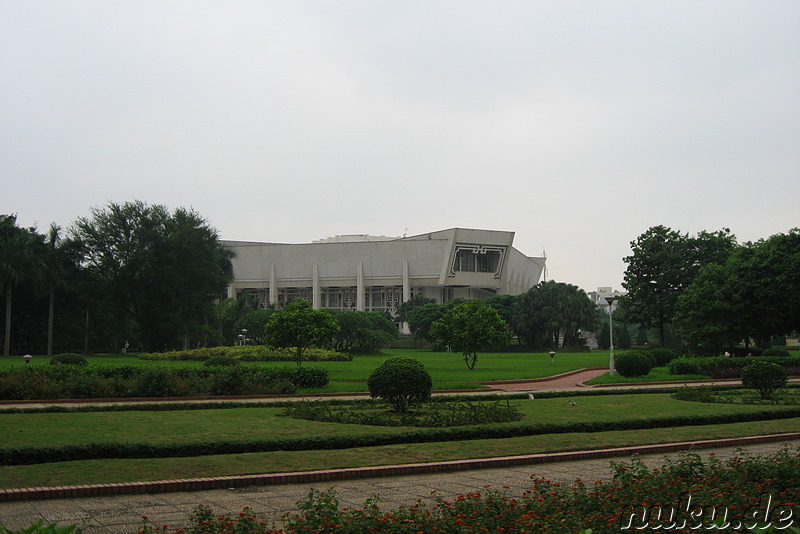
x=227 y=381
x=725 y=367
x=69 y=358
x=662 y=356
x=401 y=382
x=310 y=377
x=40 y=527
x=764 y=377
x=633 y=364
x=221 y=361
x=684 y=366
x=776 y=352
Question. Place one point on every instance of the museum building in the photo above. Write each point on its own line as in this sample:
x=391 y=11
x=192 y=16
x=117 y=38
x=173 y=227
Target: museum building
x=377 y=273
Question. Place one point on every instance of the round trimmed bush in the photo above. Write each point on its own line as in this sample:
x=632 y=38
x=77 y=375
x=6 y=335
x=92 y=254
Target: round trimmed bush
x=310 y=377
x=776 y=352
x=764 y=377
x=401 y=382
x=633 y=364
x=662 y=356
x=69 y=358
x=221 y=361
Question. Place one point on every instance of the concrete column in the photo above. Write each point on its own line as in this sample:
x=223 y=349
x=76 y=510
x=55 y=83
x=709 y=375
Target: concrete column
x=315 y=291
x=273 y=285
x=360 y=296
x=406 y=282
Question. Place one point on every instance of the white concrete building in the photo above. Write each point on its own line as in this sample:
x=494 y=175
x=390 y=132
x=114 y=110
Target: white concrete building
x=599 y=296
x=371 y=273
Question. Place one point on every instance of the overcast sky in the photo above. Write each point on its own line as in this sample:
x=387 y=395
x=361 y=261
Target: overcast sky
x=575 y=124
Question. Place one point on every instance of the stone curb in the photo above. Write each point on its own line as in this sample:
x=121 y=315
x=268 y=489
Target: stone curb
x=328 y=475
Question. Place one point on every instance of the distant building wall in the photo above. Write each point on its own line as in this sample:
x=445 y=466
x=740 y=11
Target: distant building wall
x=377 y=273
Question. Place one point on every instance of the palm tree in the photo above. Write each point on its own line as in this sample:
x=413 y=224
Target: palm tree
x=14 y=258
x=53 y=265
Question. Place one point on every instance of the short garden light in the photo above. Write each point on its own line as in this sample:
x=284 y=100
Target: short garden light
x=552 y=357
x=27 y=358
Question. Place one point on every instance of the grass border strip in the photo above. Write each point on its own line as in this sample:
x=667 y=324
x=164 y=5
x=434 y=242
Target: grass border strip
x=208 y=483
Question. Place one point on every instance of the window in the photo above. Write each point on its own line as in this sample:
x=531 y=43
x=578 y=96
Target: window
x=478 y=259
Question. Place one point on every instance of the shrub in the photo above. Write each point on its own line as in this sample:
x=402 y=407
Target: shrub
x=227 y=381
x=310 y=377
x=764 y=377
x=684 y=366
x=662 y=356
x=221 y=361
x=634 y=364
x=401 y=382
x=776 y=352
x=69 y=358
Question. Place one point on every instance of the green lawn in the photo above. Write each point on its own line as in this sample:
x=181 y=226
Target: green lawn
x=252 y=424
x=657 y=374
x=55 y=429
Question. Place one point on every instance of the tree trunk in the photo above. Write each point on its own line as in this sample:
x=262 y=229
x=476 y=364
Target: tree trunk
x=7 y=339
x=86 y=333
x=51 y=319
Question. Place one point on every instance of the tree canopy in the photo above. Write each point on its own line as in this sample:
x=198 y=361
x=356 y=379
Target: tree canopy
x=552 y=314
x=470 y=327
x=161 y=269
x=663 y=264
x=754 y=294
x=299 y=326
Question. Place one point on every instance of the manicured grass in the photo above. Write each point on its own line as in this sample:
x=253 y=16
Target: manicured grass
x=657 y=374
x=110 y=471
x=252 y=424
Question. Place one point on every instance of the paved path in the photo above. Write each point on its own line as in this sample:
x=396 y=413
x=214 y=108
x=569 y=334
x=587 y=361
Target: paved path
x=122 y=514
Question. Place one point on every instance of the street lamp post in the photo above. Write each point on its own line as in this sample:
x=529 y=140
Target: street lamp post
x=610 y=301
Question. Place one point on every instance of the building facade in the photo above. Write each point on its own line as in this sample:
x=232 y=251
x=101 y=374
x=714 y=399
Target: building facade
x=368 y=273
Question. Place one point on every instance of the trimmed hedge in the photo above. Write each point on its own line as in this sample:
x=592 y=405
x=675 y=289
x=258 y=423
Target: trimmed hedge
x=728 y=367
x=69 y=382
x=69 y=358
x=90 y=451
x=310 y=377
x=250 y=353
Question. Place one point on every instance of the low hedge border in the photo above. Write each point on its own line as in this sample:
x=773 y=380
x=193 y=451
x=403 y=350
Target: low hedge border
x=249 y=353
x=229 y=404
x=729 y=367
x=94 y=451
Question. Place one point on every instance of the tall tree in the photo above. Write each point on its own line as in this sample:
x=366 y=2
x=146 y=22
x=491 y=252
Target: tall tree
x=162 y=270
x=56 y=262
x=663 y=264
x=17 y=251
x=755 y=294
